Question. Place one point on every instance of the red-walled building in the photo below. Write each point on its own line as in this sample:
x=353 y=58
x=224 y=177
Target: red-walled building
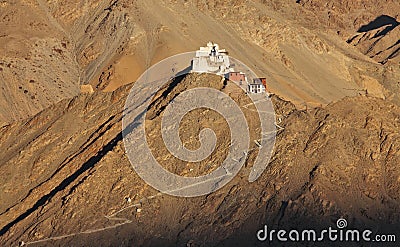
x=237 y=77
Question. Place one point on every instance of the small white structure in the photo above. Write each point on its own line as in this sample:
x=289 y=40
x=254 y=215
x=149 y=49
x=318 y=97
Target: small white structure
x=255 y=88
x=211 y=59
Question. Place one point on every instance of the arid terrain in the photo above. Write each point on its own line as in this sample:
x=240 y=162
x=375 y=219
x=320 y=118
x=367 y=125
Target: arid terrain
x=66 y=70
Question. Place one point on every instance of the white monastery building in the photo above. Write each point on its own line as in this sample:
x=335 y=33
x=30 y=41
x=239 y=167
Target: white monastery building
x=212 y=59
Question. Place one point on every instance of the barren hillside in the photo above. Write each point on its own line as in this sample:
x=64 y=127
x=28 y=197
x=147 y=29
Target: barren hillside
x=308 y=65
x=74 y=178
x=44 y=56
x=61 y=44
x=333 y=71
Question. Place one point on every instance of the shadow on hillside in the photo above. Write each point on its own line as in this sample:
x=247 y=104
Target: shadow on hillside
x=380 y=21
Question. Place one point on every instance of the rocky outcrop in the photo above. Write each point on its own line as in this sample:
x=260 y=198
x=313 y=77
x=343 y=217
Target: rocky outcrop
x=379 y=40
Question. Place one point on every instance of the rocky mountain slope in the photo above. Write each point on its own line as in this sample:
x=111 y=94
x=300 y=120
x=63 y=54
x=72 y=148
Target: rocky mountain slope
x=67 y=182
x=303 y=57
x=66 y=43
x=379 y=39
x=46 y=54
x=371 y=26
x=65 y=177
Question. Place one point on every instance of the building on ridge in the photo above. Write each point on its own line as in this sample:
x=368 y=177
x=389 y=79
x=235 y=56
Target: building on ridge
x=258 y=85
x=211 y=59
x=238 y=77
